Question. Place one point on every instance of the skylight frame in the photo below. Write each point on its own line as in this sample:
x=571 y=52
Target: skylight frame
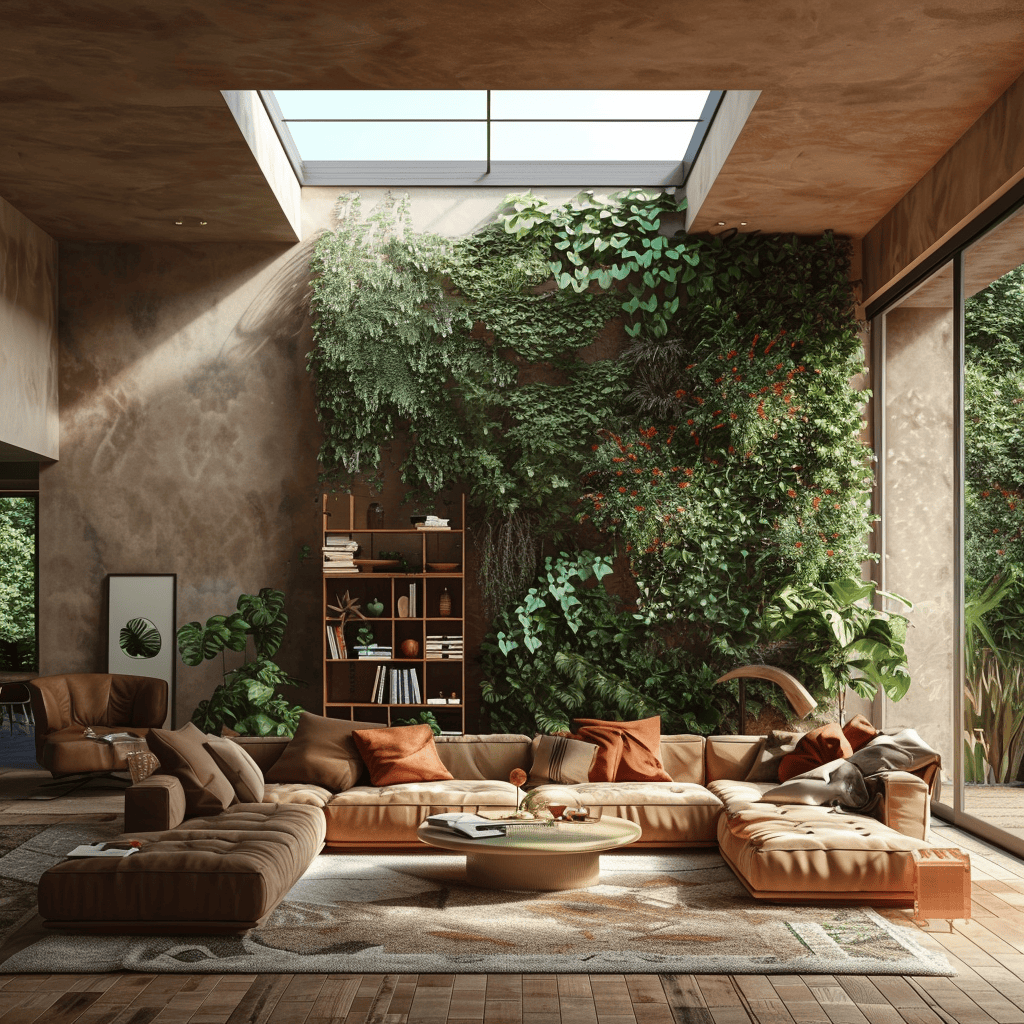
x=489 y=172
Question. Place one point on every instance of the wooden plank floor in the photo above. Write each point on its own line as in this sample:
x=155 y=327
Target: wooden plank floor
x=988 y=953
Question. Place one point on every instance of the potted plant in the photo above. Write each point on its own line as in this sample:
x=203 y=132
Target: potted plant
x=841 y=640
x=247 y=701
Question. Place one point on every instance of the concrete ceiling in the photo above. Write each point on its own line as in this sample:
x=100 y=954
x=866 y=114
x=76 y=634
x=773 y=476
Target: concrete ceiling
x=112 y=124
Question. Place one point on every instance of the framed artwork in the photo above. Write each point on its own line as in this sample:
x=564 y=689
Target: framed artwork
x=141 y=612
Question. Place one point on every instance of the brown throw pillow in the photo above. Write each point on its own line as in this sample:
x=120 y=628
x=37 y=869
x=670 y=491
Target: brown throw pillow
x=560 y=759
x=322 y=752
x=181 y=753
x=403 y=753
x=238 y=767
x=817 y=747
x=640 y=760
x=858 y=730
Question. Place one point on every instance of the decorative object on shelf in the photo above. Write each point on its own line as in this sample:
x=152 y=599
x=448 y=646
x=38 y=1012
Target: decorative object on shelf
x=371 y=564
x=443 y=566
x=410 y=649
x=347 y=607
x=403 y=607
x=374 y=607
x=444 y=604
x=141 y=764
x=375 y=516
x=433 y=523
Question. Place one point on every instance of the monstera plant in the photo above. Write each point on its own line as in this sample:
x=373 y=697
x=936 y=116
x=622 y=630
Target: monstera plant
x=247 y=701
x=841 y=640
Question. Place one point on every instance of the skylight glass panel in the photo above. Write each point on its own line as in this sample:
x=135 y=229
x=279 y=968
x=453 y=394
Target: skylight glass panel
x=588 y=141
x=597 y=104
x=378 y=105
x=388 y=141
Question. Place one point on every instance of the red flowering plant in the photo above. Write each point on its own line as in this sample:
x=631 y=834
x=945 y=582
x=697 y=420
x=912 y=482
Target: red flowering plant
x=757 y=478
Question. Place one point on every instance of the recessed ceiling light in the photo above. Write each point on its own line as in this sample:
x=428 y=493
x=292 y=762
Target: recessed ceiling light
x=202 y=223
x=179 y=222
x=721 y=223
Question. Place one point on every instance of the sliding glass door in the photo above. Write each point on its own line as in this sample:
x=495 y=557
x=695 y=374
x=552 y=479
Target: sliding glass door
x=950 y=368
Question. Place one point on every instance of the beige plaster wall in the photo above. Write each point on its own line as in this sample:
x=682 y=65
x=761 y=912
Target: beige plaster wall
x=28 y=339
x=189 y=444
x=919 y=512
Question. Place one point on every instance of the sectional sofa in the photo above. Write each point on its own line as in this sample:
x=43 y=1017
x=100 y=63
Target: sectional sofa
x=224 y=863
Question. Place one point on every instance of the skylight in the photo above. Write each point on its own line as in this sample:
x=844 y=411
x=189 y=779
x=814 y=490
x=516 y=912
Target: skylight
x=484 y=137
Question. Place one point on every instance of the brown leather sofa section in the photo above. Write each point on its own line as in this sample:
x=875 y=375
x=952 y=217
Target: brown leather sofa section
x=65 y=705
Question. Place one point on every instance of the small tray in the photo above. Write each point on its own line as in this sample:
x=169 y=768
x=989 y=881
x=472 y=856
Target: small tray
x=577 y=821
x=376 y=563
x=442 y=566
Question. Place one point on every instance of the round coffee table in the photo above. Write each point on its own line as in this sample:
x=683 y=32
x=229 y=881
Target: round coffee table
x=565 y=855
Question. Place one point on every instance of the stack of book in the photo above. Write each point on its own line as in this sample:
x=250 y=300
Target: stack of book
x=433 y=523
x=339 y=553
x=444 y=648
x=377 y=651
x=396 y=686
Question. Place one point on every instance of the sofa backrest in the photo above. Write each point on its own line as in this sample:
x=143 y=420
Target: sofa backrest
x=488 y=757
x=683 y=757
x=264 y=750
x=731 y=757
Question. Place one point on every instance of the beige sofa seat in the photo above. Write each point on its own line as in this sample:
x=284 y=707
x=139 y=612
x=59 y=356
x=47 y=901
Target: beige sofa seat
x=670 y=813
x=798 y=853
x=375 y=815
x=216 y=875
x=296 y=793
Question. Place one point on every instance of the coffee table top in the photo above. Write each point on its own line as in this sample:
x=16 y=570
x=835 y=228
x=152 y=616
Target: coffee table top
x=561 y=837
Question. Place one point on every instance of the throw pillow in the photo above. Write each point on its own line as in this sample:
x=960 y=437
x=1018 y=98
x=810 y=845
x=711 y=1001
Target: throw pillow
x=817 y=747
x=322 y=752
x=239 y=768
x=402 y=753
x=640 y=760
x=902 y=751
x=560 y=759
x=776 y=746
x=837 y=782
x=181 y=753
x=858 y=730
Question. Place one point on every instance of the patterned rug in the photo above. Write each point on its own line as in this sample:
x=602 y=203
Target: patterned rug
x=679 y=912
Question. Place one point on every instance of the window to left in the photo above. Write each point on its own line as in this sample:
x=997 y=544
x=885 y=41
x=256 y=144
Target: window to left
x=18 y=582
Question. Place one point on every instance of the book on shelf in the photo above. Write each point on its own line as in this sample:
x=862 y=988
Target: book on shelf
x=437 y=700
x=412 y=600
x=332 y=643
x=345 y=570
x=337 y=541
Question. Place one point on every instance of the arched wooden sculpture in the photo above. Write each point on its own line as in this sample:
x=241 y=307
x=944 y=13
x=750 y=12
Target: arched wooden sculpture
x=799 y=699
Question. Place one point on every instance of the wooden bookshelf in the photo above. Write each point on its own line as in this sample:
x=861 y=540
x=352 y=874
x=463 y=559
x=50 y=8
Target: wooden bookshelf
x=412 y=598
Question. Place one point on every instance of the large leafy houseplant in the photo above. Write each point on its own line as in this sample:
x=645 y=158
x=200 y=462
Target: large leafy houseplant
x=247 y=701
x=840 y=640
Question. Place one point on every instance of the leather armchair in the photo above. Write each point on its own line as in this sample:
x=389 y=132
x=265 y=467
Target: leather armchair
x=64 y=706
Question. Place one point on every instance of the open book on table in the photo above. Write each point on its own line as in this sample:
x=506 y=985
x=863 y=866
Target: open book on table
x=464 y=823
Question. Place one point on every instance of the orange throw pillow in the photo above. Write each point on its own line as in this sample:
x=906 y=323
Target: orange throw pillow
x=403 y=753
x=609 y=752
x=858 y=730
x=815 y=748
x=640 y=760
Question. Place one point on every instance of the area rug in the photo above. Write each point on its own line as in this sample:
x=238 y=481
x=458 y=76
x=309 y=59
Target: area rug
x=678 y=912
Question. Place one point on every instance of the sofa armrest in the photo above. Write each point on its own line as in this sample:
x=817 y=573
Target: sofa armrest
x=906 y=803
x=155 y=804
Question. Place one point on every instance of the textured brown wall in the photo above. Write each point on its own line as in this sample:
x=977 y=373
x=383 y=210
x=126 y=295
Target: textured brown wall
x=28 y=338
x=188 y=444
